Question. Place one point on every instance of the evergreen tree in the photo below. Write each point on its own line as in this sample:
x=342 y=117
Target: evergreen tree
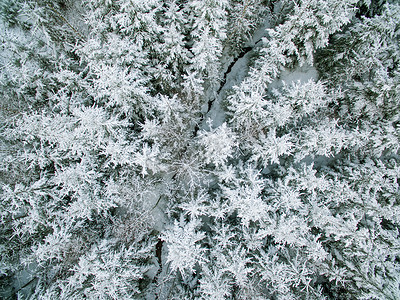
x=180 y=150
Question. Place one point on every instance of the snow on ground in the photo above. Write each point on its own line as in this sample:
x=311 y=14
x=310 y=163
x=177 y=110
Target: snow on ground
x=259 y=34
x=302 y=74
x=155 y=205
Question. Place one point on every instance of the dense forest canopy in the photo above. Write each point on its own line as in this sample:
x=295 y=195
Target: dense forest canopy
x=200 y=149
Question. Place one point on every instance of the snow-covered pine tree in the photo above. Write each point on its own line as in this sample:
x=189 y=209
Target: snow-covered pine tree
x=236 y=149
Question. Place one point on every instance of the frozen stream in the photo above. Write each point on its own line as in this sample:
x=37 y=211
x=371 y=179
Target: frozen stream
x=238 y=68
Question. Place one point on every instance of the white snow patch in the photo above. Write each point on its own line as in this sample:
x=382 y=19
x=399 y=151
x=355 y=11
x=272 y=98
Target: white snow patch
x=155 y=206
x=302 y=74
x=153 y=270
x=259 y=33
x=159 y=218
x=23 y=278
